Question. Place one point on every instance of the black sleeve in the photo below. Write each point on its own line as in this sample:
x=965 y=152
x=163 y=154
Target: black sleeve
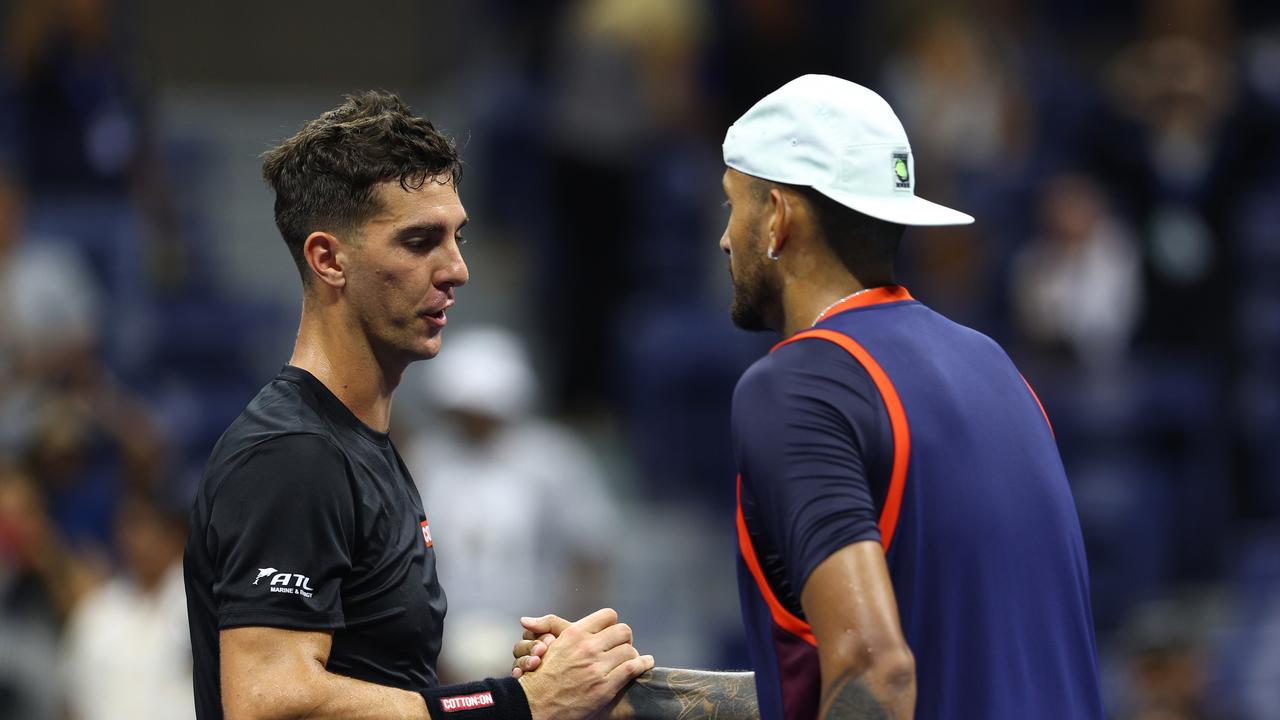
x=809 y=431
x=280 y=535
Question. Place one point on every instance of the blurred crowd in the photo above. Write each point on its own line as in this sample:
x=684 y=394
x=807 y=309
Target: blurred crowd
x=1122 y=159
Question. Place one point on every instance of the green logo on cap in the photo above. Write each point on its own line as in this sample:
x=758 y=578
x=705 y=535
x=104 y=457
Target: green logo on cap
x=901 y=171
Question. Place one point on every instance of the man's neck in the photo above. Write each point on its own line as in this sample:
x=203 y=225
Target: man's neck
x=337 y=352
x=805 y=299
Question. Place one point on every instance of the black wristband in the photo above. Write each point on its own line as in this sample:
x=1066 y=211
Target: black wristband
x=488 y=699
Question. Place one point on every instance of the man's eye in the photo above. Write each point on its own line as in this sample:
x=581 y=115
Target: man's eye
x=460 y=240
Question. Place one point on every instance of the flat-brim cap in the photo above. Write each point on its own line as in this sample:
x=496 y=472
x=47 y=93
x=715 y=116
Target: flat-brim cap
x=840 y=139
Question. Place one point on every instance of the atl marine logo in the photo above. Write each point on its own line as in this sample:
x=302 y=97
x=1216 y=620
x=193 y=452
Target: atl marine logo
x=286 y=583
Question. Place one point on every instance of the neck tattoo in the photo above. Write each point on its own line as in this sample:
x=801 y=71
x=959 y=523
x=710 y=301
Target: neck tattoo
x=850 y=296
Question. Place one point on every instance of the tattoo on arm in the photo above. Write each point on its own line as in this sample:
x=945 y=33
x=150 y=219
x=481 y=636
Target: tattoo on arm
x=850 y=699
x=674 y=694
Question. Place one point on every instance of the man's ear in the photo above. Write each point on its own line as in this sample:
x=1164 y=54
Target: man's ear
x=324 y=255
x=781 y=216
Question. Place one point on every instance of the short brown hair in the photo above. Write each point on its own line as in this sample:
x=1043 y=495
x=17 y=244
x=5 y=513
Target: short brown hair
x=860 y=241
x=326 y=174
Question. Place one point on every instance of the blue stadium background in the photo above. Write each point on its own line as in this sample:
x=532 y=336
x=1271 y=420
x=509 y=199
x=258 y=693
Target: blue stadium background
x=1122 y=159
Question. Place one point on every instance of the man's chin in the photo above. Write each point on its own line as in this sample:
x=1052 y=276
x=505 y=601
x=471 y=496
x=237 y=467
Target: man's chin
x=746 y=317
x=427 y=348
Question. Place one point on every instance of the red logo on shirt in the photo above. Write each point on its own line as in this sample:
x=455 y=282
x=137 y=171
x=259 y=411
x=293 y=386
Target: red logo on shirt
x=466 y=702
x=426 y=534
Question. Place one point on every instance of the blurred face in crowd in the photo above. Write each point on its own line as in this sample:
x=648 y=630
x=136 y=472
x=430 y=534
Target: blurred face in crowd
x=25 y=531
x=11 y=214
x=401 y=272
x=757 y=290
x=1071 y=209
x=149 y=542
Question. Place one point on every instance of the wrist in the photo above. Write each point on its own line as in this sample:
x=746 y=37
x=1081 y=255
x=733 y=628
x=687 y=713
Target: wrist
x=489 y=699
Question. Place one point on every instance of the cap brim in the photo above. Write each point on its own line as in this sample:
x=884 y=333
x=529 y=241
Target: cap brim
x=903 y=210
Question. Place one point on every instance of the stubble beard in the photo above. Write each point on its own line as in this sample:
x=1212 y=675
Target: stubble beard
x=756 y=298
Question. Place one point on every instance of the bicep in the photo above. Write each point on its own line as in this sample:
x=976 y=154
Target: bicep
x=265 y=667
x=849 y=603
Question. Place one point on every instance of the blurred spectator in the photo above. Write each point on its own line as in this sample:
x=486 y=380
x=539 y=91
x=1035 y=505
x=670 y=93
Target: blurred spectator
x=74 y=123
x=1178 y=159
x=62 y=414
x=625 y=100
x=521 y=517
x=1167 y=661
x=1077 y=286
x=957 y=84
x=41 y=581
x=127 y=652
x=48 y=299
x=966 y=109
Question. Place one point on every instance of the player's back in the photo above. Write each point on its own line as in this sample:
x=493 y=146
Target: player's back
x=984 y=544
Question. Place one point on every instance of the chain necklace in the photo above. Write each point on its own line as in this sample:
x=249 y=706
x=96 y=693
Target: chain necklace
x=850 y=296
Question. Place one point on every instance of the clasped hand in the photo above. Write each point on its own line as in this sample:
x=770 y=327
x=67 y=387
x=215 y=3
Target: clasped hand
x=581 y=666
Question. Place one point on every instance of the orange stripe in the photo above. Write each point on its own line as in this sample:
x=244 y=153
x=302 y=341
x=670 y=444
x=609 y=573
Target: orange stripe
x=782 y=616
x=1040 y=404
x=897 y=421
x=874 y=296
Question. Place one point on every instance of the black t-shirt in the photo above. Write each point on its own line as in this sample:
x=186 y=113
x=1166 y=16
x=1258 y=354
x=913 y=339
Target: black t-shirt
x=307 y=519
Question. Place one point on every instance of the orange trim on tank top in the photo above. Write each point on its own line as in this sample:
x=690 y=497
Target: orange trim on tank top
x=783 y=617
x=874 y=296
x=1039 y=404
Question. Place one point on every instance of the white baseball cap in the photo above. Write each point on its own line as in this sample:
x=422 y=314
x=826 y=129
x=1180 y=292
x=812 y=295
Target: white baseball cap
x=483 y=369
x=840 y=139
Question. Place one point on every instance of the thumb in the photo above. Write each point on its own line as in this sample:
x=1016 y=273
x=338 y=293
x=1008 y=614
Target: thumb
x=545 y=625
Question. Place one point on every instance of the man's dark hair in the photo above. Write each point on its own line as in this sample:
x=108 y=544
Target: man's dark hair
x=861 y=242
x=325 y=176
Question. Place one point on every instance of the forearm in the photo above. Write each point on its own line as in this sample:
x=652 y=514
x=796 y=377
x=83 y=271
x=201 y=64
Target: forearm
x=678 y=694
x=321 y=695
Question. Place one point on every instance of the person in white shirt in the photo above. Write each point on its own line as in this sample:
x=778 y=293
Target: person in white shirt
x=485 y=470
x=126 y=651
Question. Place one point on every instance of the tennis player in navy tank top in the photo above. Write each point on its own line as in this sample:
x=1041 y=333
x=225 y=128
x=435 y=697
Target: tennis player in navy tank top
x=907 y=539
x=908 y=544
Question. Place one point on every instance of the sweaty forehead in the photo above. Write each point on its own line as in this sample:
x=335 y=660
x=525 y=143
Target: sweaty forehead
x=435 y=201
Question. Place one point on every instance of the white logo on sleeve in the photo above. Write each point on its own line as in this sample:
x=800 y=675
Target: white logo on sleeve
x=287 y=583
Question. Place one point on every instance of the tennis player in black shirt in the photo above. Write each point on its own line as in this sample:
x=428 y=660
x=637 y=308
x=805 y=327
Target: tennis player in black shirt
x=310 y=573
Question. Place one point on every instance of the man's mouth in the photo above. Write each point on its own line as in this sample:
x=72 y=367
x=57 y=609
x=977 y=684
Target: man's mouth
x=438 y=319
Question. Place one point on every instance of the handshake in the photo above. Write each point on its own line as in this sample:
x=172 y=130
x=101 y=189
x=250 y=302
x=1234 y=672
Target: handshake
x=577 y=670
